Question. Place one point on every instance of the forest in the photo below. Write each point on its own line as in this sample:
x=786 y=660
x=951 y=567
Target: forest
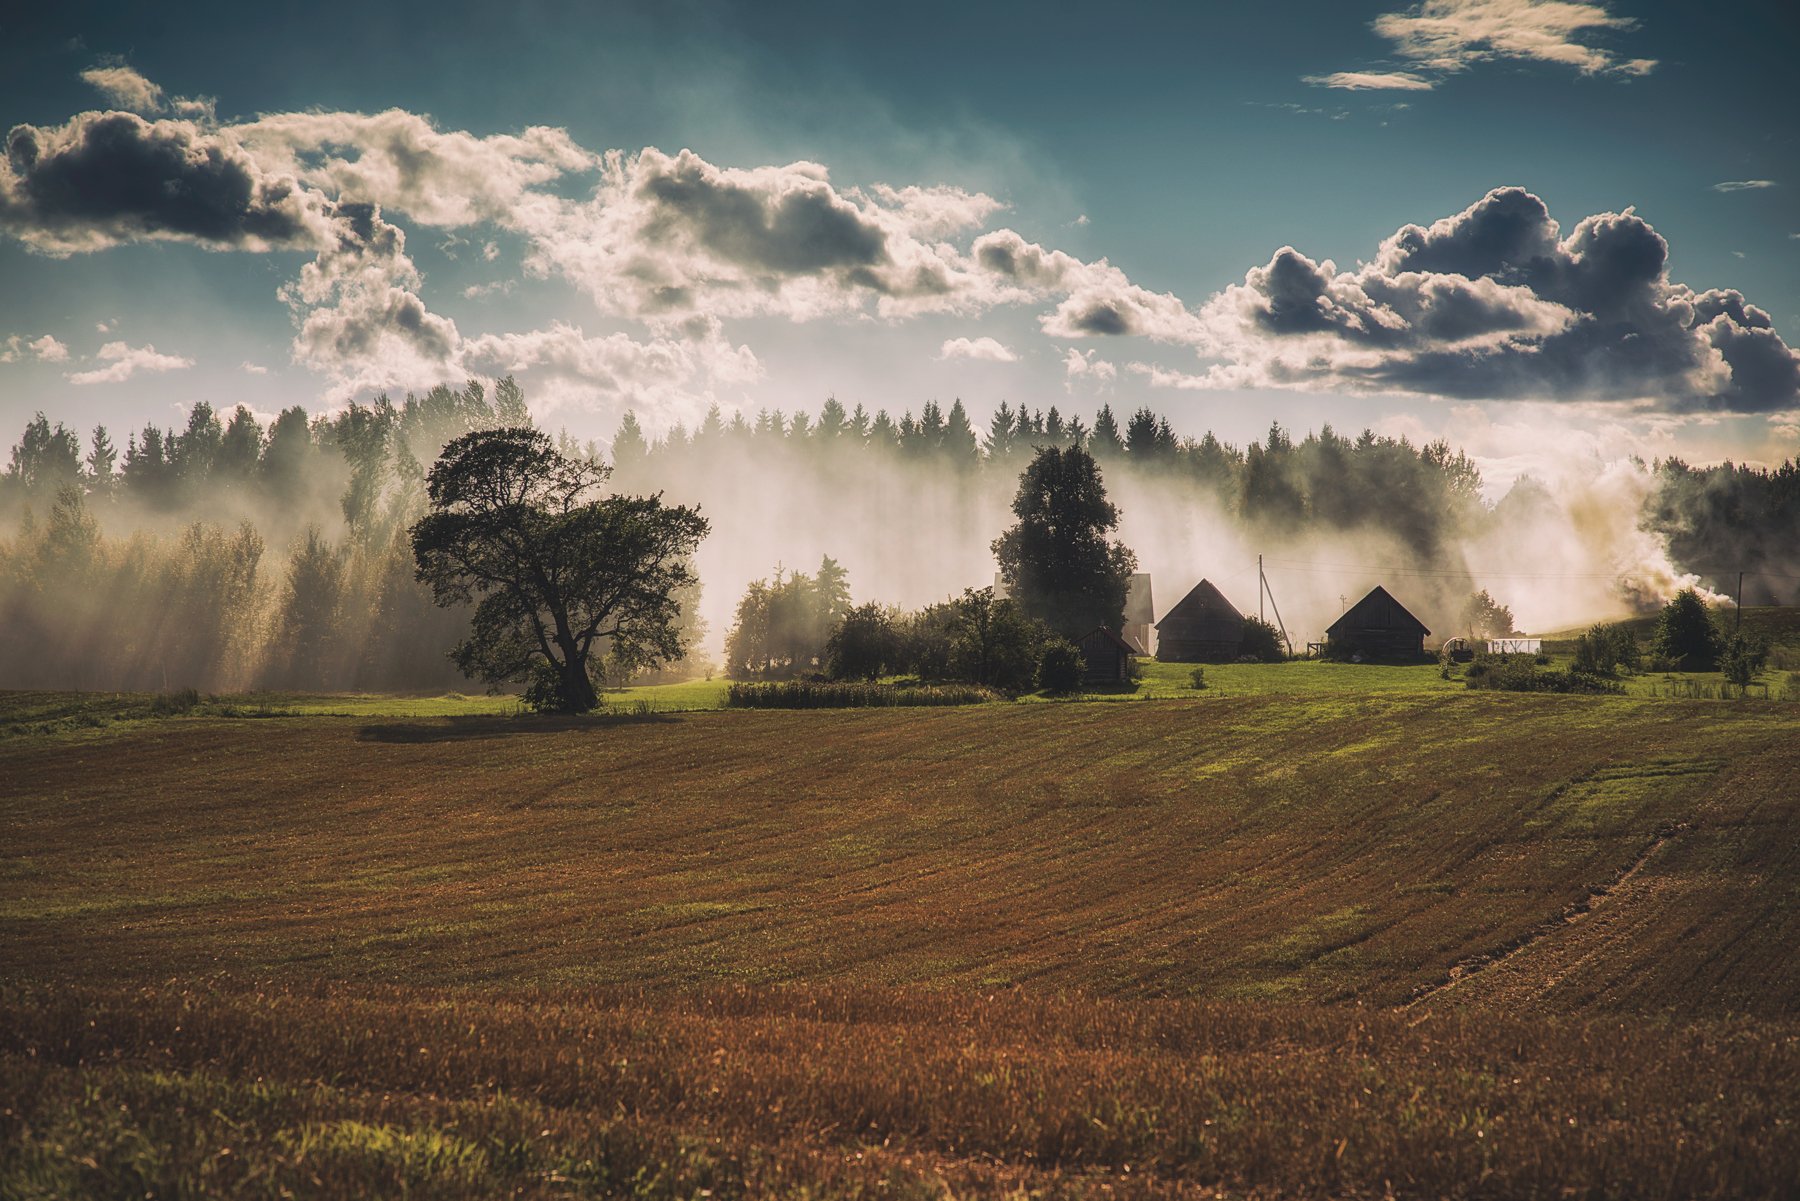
x=237 y=553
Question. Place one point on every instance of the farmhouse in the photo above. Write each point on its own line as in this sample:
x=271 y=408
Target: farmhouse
x=1377 y=627
x=1107 y=656
x=1139 y=614
x=1203 y=628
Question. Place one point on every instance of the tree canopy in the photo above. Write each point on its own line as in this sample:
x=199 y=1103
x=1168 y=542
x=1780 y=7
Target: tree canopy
x=555 y=569
x=1058 y=560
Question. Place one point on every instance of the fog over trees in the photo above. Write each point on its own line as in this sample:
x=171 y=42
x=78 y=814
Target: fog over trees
x=232 y=552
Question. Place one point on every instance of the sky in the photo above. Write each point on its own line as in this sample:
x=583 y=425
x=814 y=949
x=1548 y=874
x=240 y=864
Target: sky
x=1552 y=233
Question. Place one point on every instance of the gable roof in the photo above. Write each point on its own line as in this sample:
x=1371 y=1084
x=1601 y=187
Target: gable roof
x=1204 y=615
x=1376 y=611
x=1108 y=637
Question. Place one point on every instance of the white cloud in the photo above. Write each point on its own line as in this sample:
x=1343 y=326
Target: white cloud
x=1442 y=37
x=1742 y=185
x=1084 y=365
x=976 y=348
x=46 y=349
x=125 y=361
x=249 y=368
x=1451 y=35
x=1358 y=81
x=126 y=88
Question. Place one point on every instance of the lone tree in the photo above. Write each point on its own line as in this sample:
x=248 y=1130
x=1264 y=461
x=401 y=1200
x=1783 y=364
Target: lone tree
x=1686 y=634
x=557 y=566
x=1058 y=561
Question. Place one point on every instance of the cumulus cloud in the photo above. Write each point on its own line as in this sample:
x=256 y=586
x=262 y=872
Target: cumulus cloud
x=674 y=234
x=1083 y=365
x=45 y=349
x=405 y=164
x=1495 y=303
x=1098 y=300
x=123 y=362
x=108 y=178
x=976 y=348
x=1742 y=185
x=676 y=376
x=249 y=368
x=1361 y=81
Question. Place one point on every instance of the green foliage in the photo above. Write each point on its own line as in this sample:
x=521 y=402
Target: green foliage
x=1058 y=560
x=993 y=642
x=1511 y=674
x=783 y=628
x=1197 y=679
x=818 y=694
x=1607 y=649
x=1484 y=617
x=1743 y=658
x=1262 y=642
x=1685 y=633
x=864 y=645
x=1060 y=667
x=555 y=570
x=170 y=704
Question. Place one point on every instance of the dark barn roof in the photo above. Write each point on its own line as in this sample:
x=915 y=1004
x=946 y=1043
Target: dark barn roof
x=1377 y=611
x=1203 y=615
x=1101 y=636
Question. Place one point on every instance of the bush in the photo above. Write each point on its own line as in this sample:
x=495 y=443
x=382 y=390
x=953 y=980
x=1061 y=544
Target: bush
x=1060 y=668
x=1606 y=649
x=1743 y=658
x=1522 y=676
x=1197 y=679
x=809 y=694
x=1262 y=642
x=169 y=704
x=863 y=645
x=1686 y=634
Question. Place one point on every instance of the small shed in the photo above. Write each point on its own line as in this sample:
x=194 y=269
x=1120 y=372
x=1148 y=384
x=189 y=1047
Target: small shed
x=1203 y=627
x=1377 y=627
x=1140 y=614
x=1107 y=657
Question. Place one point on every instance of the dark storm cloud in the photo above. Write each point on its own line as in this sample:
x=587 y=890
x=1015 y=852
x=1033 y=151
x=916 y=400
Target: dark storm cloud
x=107 y=178
x=1494 y=303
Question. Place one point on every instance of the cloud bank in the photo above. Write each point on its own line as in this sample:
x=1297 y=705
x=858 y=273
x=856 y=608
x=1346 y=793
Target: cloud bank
x=1495 y=304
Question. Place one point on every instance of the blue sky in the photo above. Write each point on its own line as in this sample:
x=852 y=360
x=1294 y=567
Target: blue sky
x=1081 y=206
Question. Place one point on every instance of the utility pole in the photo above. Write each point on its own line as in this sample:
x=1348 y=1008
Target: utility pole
x=1259 y=588
x=1739 y=627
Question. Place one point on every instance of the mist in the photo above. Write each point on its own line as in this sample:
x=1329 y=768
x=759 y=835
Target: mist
x=235 y=554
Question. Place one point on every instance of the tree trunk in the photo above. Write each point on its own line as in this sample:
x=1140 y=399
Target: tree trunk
x=577 y=689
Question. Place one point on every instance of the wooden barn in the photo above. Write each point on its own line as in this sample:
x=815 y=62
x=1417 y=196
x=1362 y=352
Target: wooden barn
x=1203 y=628
x=1377 y=627
x=1107 y=656
x=1139 y=614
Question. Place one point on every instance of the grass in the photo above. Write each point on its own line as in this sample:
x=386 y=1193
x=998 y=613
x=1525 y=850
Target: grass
x=1333 y=943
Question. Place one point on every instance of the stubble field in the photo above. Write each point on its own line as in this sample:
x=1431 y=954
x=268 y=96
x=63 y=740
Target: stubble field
x=1433 y=944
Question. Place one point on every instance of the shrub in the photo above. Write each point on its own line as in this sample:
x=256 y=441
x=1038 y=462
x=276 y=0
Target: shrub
x=1743 y=658
x=182 y=700
x=1606 y=649
x=810 y=694
x=1686 y=634
x=863 y=645
x=1197 y=679
x=1523 y=676
x=1262 y=642
x=1060 y=668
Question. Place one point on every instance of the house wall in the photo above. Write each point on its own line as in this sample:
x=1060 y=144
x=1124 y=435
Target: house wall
x=1171 y=648
x=1379 y=644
